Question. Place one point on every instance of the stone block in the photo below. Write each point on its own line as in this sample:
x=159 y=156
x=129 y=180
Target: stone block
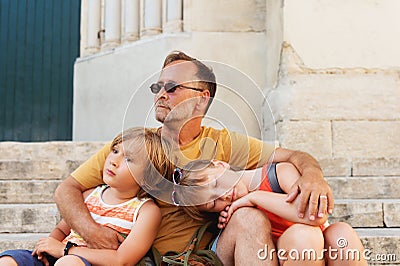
x=343 y=96
x=54 y=150
x=391 y=212
x=19 y=241
x=365 y=188
x=224 y=15
x=30 y=218
x=381 y=245
x=358 y=213
x=32 y=191
x=376 y=166
x=26 y=169
x=366 y=139
x=335 y=166
x=312 y=137
x=37 y=170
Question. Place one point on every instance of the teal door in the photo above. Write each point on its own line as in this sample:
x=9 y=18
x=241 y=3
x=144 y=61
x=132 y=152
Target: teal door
x=39 y=42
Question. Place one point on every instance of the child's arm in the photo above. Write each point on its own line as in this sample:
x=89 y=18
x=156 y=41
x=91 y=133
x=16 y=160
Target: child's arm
x=62 y=229
x=276 y=203
x=135 y=246
x=52 y=244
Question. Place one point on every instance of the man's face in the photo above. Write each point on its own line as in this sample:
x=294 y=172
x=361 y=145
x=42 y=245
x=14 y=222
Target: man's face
x=180 y=104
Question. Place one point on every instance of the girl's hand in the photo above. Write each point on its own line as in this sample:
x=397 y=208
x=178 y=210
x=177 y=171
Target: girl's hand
x=242 y=202
x=223 y=218
x=49 y=246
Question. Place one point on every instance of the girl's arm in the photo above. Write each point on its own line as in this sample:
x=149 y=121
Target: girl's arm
x=276 y=203
x=135 y=246
x=53 y=243
x=61 y=231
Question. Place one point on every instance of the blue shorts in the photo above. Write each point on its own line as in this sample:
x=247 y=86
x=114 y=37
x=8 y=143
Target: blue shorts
x=214 y=244
x=24 y=257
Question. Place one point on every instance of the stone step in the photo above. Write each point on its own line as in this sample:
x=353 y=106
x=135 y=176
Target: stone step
x=80 y=151
x=367 y=212
x=38 y=218
x=27 y=191
x=379 y=244
x=382 y=245
x=360 y=166
x=36 y=169
x=40 y=190
x=28 y=218
x=19 y=241
x=365 y=187
x=53 y=150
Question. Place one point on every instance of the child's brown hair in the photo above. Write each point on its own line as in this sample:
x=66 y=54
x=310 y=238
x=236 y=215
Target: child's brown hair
x=155 y=150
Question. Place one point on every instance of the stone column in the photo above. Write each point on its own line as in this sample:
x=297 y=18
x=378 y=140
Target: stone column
x=112 y=24
x=131 y=20
x=152 y=17
x=173 y=21
x=93 y=16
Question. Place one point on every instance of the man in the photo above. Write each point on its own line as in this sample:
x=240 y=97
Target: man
x=183 y=93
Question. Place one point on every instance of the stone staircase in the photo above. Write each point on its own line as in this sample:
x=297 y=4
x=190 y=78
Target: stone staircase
x=366 y=192
x=349 y=120
x=29 y=174
x=367 y=197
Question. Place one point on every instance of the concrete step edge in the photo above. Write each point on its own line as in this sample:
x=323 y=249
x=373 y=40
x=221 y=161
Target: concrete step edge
x=378 y=232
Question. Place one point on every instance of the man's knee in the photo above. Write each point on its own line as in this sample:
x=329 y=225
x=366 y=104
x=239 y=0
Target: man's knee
x=249 y=218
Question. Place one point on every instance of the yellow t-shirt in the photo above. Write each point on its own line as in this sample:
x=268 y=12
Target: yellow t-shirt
x=176 y=227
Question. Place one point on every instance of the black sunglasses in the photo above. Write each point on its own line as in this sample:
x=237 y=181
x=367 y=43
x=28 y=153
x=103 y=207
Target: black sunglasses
x=176 y=178
x=169 y=87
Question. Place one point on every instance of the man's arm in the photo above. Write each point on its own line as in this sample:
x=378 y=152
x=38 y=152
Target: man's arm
x=69 y=199
x=310 y=186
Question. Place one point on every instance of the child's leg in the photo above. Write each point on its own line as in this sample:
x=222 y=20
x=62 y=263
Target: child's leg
x=343 y=245
x=19 y=257
x=303 y=245
x=71 y=260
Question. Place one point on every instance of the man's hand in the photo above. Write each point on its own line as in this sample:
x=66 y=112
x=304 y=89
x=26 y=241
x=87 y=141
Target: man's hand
x=103 y=237
x=314 y=191
x=312 y=188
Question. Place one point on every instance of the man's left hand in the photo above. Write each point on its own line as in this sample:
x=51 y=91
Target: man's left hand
x=314 y=192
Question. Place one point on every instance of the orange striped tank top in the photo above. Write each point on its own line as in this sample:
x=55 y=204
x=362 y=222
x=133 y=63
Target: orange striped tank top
x=120 y=217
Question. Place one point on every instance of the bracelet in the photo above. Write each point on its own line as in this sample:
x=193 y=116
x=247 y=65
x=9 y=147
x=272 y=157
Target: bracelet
x=68 y=247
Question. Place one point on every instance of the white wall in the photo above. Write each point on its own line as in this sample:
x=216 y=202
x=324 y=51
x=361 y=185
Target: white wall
x=344 y=33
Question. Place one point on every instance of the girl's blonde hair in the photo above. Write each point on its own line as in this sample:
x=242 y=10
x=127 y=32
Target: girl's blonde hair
x=156 y=155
